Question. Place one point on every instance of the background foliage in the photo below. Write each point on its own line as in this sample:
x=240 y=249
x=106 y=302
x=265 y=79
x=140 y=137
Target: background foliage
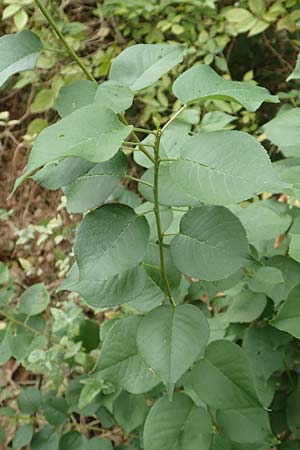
x=50 y=342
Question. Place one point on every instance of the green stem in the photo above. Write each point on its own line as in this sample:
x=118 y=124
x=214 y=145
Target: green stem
x=144 y=130
x=136 y=143
x=174 y=117
x=138 y=180
x=76 y=58
x=18 y=322
x=158 y=221
x=69 y=49
x=142 y=148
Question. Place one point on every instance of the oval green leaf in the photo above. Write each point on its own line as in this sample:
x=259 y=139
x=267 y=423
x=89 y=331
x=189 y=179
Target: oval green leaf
x=18 y=52
x=141 y=65
x=212 y=243
x=222 y=168
x=203 y=83
x=179 y=333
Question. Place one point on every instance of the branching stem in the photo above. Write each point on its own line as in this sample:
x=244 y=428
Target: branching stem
x=57 y=31
x=174 y=117
x=158 y=221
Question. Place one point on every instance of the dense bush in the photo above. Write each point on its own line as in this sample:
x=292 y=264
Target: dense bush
x=181 y=330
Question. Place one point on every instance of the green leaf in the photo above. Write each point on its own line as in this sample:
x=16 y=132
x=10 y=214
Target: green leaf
x=120 y=362
x=170 y=339
x=215 y=120
x=97 y=443
x=44 y=100
x=115 y=290
x=295 y=74
x=18 y=52
x=152 y=261
x=245 y=425
x=284 y=132
x=170 y=192
x=265 y=348
x=61 y=173
x=268 y=280
x=20 y=19
x=293 y=411
x=4 y=273
x=222 y=167
x=130 y=411
x=166 y=218
x=212 y=243
x=29 y=400
x=34 y=300
x=245 y=307
x=177 y=425
x=5 y=343
x=23 y=436
x=203 y=83
x=114 y=95
x=273 y=221
x=224 y=378
x=46 y=439
x=2 y=435
x=93 y=187
x=74 y=96
x=55 y=409
x=10 y=10
x=111 y=242
x=150 y=297
x=141 y=65
x=290 y=270
x=288 y=317
x=92 y=133
x=73 y=440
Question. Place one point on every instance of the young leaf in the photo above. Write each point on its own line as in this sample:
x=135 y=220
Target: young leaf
x=178 y=424
x=288 y=317
x=170 y=339
x=34 y=300
x=203 y=83
x=23 y=436
x=18 y=52
x=95 y=186
x=141 y=65
x=114 y=95
x=212 y=243
x=222 y=168
x=75 y=96
x=120 y=362
x=92 y=133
